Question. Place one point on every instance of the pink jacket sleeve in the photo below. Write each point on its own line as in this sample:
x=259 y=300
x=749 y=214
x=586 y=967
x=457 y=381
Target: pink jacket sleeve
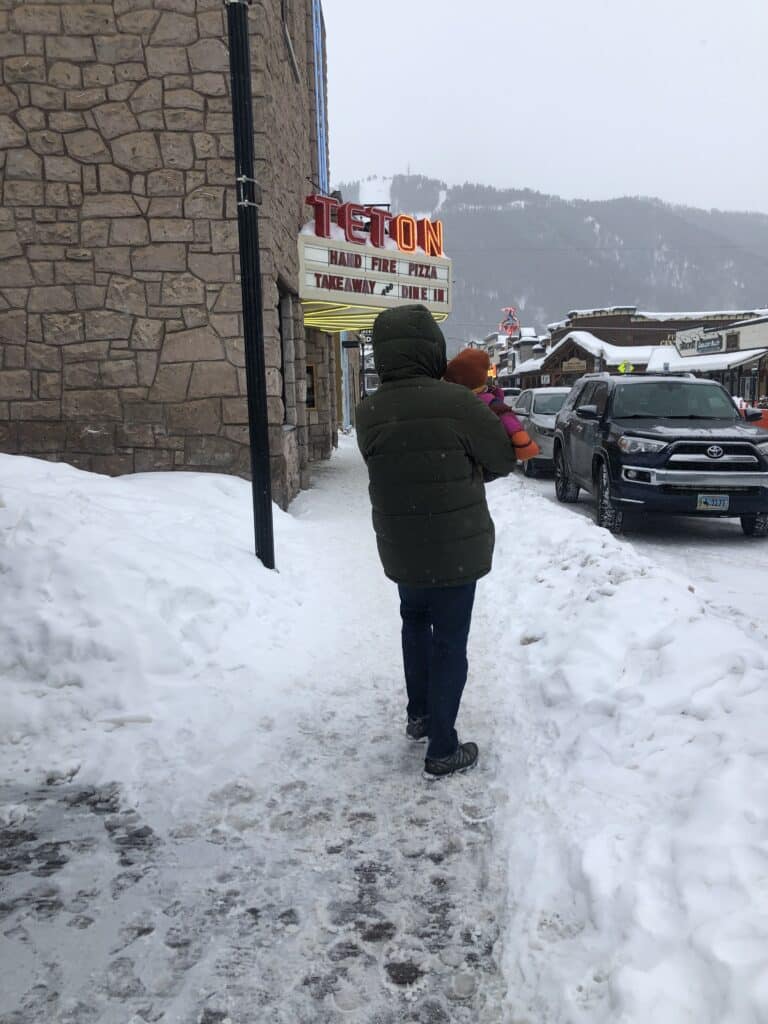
x=509 y=421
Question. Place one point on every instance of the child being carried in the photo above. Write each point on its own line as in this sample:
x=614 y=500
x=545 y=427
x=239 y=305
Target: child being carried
x=470 y=369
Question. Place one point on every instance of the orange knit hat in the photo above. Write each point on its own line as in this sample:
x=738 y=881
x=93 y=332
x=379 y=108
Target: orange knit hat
x=469 y=368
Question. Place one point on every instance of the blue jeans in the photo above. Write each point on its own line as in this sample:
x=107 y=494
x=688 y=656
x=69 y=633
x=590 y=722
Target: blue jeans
x=436 y=623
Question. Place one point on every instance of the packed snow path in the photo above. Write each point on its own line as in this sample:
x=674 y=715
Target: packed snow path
x=210 y=812
x=319 y=879
x=373 y=899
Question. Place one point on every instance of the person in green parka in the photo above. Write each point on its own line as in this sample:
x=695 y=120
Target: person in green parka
x=429 y=447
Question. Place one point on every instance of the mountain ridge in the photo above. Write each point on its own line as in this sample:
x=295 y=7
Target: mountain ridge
x=547 y=255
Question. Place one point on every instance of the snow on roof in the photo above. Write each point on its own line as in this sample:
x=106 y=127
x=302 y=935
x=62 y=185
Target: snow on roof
x=529 y=366
x=532 y=337
x=701 y=314
x=528 y=332
x=749 y=323
x=612 y=355
x=665 y=357
x=603 y=311
x=706 y=314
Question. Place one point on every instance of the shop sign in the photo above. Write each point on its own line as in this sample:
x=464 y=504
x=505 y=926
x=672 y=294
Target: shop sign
x=510 y=325
x=372 y=225
x=335 y=272
x=344 y=282
x=574 y=366
x=709 y=344
x=698 y=340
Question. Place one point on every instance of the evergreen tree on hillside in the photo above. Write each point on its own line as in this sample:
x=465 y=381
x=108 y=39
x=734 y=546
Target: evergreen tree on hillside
x=548 y=255
x=414 y=193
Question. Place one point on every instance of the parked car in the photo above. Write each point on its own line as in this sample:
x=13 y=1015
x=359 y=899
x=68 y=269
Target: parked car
x=761 y=408
x=661 y=443
x=510 y=394
x=537 y=409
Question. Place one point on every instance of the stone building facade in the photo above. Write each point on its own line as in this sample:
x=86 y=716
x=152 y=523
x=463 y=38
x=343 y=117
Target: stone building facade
x=120 y=312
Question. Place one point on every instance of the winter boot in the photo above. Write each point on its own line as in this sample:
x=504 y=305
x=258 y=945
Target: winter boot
x=417 y=728
x=464 y=757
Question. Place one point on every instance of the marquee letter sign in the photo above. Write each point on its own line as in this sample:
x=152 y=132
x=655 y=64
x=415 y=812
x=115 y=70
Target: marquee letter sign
x=356 y=260
x=407 y=232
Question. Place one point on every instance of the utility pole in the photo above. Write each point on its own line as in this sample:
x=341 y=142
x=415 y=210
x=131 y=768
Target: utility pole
x=248 y=199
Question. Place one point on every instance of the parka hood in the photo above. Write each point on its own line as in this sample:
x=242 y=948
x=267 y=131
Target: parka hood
x=408 y=343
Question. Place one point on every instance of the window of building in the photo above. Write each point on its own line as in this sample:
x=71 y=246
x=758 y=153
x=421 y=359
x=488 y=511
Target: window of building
x=311 y=394
x=731 y=342
x=286 y=9
x=285 y=315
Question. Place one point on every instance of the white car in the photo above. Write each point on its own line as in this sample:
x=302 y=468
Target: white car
x=537 y=409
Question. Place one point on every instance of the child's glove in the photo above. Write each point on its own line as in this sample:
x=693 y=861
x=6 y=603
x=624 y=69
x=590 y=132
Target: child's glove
x=525 y=448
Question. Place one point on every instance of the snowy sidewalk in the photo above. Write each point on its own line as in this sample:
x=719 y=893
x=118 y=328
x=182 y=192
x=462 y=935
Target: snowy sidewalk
x=210 y=813
x=247 y=835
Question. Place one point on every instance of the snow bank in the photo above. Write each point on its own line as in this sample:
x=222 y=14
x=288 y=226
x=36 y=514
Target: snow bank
x=136 y=623
x=637 y=833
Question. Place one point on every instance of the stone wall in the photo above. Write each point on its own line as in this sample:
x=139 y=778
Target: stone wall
x=120 y=326
x=322 y=421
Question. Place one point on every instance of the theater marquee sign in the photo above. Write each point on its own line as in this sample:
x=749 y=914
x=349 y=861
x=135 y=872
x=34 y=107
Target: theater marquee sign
x=367 y=261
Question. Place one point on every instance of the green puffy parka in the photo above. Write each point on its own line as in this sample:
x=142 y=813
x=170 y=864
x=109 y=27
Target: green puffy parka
x=426 y=444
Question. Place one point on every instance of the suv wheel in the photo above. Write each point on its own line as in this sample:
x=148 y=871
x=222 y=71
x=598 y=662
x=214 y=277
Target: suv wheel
x=755 y=526
x=607 y=515
x=566 y=490
x=529 y=468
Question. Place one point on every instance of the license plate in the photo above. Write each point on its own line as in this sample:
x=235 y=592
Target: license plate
x=713 y=503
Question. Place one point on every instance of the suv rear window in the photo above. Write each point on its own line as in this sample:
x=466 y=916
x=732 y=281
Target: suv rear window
x=548 y=405
x=672 y=399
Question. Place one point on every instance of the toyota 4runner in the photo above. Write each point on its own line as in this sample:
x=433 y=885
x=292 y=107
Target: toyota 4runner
x=668 y=443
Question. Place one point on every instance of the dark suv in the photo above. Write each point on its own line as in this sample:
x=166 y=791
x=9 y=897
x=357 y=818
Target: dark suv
x=666 y=443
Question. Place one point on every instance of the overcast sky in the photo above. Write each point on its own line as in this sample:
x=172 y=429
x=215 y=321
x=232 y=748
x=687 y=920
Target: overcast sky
x=582 y=98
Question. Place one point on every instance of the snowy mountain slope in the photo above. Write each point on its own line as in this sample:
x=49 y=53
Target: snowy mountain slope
x=547 y=255
x=209 y=804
